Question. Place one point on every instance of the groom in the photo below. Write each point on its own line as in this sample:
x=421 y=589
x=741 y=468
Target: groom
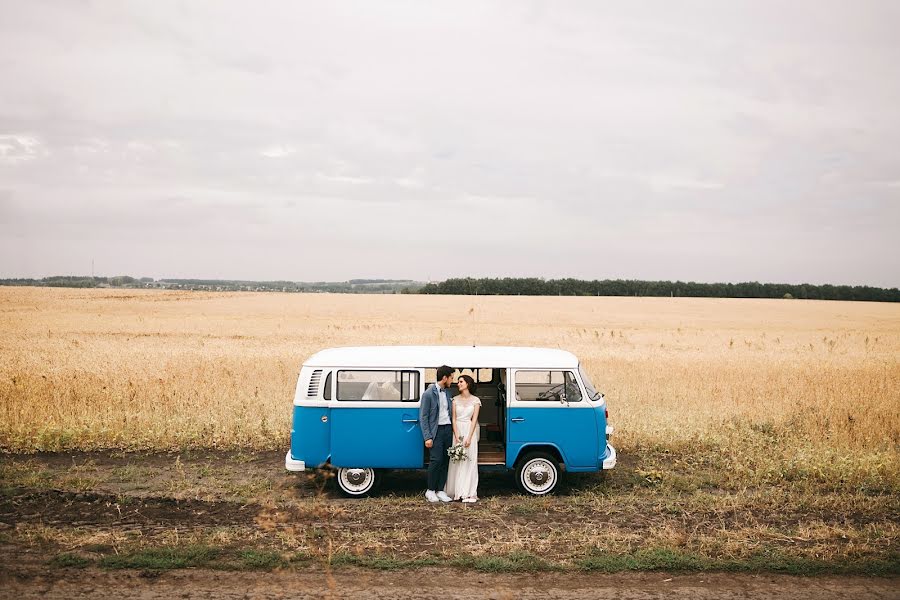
x=434 y=418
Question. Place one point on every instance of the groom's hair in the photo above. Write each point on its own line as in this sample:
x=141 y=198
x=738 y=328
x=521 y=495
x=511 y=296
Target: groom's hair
x=444 y=371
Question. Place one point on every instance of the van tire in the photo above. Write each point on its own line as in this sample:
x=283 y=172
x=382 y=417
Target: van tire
x=357 y=482
x=538 y=474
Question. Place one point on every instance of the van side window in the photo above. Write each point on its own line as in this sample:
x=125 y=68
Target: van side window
x=389 y=386
x=409 y=386
x=573 y=391
x=327 y=392
x=550 y=386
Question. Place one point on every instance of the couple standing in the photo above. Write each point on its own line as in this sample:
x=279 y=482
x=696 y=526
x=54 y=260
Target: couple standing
x=446 y=422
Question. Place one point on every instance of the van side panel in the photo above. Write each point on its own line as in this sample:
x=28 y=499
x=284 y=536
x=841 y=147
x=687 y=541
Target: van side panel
x=572 y=430
x=379 y=437
x=311 y=434
x=516 y=450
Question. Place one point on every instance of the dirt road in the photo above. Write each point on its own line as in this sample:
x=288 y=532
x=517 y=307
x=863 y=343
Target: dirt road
x=242 y=528
x=22 y=583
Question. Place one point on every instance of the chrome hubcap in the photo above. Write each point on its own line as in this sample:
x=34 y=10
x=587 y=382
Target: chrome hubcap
x=539 y=476
x=356 y=481
x=356 y=476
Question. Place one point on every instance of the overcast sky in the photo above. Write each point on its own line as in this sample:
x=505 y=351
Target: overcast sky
x=707 y=141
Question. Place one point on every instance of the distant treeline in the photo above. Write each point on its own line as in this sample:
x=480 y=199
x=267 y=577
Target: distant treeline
x=489 y=287
x=354 y=286
x=79 y=281
x=630 y=287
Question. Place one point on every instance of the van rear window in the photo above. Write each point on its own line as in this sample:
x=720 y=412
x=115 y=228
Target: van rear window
x=384 y=386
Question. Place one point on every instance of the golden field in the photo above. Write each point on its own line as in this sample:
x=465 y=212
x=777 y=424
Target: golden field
x=812 y=386
x=753 y=435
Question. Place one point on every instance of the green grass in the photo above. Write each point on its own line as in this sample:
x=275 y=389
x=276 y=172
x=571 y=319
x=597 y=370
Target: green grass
x=656 y=559
x=198 y=556
x=510 y=563
x=652 y=559
x=160 y=559
x=72 y=561
x=261 y=560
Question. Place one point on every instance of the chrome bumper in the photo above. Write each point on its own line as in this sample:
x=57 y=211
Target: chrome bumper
x=610 y=461
x=293 y=465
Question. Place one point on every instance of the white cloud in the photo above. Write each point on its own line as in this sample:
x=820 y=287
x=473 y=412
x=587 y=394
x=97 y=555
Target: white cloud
x=278 y=151
x=345 y=179
x=892 y=184
x=19 y=148
x=666 y=182
x=574 y=139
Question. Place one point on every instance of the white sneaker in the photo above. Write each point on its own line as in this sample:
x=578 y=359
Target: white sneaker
x=431 y=496
x=469 y=500
x=443 y=497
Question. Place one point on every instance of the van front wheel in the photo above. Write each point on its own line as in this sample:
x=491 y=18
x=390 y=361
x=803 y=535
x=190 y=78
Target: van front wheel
x=537 y=474
x=356 y=482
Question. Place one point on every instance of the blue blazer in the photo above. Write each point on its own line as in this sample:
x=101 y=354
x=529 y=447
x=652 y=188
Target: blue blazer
x=430 y=411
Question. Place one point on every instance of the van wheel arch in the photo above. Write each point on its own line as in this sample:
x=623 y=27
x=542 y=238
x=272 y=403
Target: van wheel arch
x=553 y=451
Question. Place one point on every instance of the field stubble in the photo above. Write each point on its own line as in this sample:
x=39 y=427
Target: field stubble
x=90 y=369
x=745 y=427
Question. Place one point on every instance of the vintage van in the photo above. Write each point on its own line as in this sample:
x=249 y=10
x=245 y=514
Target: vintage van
x=357 y=410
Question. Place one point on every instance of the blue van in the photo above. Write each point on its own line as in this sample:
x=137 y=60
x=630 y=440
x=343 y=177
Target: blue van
x=357 y=410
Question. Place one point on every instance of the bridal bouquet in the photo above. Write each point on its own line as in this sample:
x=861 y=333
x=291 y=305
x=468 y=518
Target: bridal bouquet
x=457 y=452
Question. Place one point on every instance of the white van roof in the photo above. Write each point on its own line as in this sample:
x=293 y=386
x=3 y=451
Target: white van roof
x=434 y=356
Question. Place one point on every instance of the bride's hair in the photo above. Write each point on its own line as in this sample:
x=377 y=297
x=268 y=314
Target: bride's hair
x=469 y=382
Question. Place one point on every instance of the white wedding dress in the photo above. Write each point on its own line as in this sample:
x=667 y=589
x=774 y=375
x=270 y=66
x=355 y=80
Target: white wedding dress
x=462 y=476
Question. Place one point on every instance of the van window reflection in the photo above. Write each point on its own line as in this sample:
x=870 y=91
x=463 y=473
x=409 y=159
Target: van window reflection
x=549 y=386
x=383 y=386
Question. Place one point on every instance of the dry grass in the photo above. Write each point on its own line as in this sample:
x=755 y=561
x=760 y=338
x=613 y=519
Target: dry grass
x=789 y=389
x=612 y=523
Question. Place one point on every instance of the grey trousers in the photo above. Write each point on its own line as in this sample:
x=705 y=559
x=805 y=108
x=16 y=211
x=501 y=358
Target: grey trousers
x=440 y=462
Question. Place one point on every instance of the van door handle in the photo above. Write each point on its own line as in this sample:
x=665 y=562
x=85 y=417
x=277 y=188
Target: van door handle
x=517 y=419
x=410 y=420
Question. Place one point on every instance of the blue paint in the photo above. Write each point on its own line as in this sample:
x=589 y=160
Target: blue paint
x=378 y=437
x=390 y=438
x=385 y=436
x=310 y=436
x=569 y=428
x=516 y=450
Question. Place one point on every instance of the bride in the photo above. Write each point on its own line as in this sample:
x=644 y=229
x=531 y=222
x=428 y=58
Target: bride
x=462 y=477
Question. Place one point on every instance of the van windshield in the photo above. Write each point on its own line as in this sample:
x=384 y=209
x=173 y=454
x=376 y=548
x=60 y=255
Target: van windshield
x=592 y=392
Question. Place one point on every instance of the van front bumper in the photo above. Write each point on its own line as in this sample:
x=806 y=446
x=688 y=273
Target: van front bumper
x=293 y=465
x=609 y=461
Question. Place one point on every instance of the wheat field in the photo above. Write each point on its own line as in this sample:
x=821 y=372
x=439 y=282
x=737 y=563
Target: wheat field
x=814 y=387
